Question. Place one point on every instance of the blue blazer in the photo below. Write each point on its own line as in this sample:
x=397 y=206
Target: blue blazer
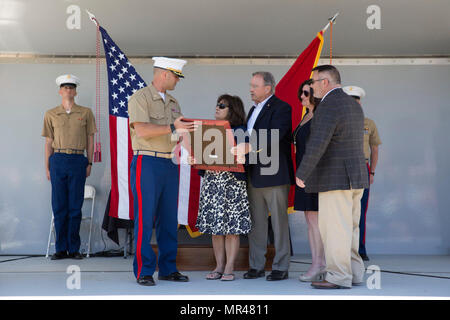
x=276 y=114
x=242 y=176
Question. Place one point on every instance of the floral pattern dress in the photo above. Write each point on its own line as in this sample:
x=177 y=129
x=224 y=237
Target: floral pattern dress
x=224 y=206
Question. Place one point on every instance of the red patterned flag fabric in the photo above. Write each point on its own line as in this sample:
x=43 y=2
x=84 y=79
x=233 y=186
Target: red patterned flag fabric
x=288 y=86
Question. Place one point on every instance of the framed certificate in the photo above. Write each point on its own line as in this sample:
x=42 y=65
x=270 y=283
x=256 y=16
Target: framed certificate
x=210 y=145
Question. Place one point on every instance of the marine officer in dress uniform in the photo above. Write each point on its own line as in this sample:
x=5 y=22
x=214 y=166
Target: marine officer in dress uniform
x=371 y=143
x=69 y=131
x=155 y=119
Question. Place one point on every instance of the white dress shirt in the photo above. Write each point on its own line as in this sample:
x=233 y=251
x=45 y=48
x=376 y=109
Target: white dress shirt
x=329 y=92
x=255 y=114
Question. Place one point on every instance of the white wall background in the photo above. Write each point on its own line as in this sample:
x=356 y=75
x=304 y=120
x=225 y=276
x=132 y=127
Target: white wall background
x=408 y=209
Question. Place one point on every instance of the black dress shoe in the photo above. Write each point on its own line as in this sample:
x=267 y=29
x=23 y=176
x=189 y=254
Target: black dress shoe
x=175 y=276
x=277 y=275
x=146 y=281
x=364 y=257
x=254 y=274
x=76 y=256
x=59 y=255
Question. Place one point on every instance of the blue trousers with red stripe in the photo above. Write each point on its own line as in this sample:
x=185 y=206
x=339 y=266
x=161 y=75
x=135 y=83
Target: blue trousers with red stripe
x=362 y=219
x=68 y=176
x=154 y=183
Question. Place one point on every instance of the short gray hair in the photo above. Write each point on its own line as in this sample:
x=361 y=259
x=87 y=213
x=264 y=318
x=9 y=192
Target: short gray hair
x=268 y=79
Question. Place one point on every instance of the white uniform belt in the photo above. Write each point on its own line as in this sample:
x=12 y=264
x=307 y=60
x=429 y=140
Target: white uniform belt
x=158 y=154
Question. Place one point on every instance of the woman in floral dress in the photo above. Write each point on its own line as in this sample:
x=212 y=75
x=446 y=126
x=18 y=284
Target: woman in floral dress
x=224 y=208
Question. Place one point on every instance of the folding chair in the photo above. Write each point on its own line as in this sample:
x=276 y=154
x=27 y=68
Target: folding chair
x=89 y=193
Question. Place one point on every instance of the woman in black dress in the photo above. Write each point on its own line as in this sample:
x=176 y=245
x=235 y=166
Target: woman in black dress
x=308 y=202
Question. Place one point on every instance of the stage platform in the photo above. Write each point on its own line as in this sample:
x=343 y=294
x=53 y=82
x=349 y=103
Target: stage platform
x=401 y=276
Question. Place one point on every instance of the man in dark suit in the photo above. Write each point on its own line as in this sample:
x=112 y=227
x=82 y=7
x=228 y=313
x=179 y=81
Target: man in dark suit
x=334 y=166
x=270 y=176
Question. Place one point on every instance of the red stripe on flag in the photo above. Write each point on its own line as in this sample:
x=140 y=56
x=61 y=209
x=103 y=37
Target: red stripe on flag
x=365 y=211
x=114 y=201
x=194 y=199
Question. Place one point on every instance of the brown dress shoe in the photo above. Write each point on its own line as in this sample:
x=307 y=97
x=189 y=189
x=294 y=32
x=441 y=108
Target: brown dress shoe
x=327 y=285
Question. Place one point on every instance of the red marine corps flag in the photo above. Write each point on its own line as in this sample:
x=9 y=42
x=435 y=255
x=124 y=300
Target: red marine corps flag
x=288 y=86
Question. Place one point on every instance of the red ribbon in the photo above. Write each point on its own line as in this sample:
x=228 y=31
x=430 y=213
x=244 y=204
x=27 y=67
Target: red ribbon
x=97 y=137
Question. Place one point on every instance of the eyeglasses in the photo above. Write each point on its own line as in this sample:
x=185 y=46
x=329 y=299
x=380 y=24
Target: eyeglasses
x=305 y=93
x=222 y=106
x=318 y=80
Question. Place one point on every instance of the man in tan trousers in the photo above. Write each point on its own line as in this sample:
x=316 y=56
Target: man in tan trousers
x=334 y=166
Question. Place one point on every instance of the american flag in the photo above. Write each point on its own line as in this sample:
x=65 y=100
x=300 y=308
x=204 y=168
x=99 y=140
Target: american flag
x=123 y=81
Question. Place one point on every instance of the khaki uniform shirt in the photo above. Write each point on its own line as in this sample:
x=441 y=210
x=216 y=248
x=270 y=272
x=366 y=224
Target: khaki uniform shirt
x=147 y=105
x=371 y=137
x=69 y=130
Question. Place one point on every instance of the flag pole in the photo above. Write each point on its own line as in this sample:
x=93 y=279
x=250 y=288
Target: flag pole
x=330 y=23
x=92 y=18
x=331 y=20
